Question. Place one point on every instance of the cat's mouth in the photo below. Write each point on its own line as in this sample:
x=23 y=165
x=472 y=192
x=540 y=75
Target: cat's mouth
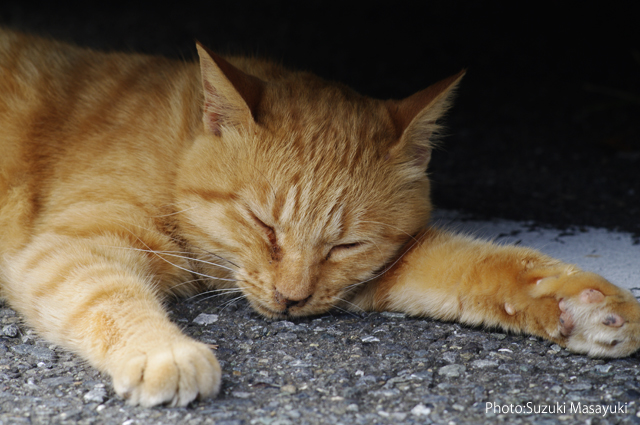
x=268 y=312
x=285 y=313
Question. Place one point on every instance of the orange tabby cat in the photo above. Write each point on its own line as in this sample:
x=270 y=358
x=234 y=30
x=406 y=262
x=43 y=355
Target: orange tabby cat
x=125 y=178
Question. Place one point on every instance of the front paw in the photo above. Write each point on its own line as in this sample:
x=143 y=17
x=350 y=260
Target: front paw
x=168 y=373
x=594 y=316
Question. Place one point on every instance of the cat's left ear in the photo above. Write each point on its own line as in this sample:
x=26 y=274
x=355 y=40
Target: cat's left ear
x=415 y=120
x=231 y=97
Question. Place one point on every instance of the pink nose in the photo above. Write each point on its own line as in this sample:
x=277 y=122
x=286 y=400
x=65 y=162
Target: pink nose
x=288 y=303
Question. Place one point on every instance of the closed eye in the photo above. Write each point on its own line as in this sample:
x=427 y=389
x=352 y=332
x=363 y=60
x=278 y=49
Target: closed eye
x=274 y=248
x=343 y=248
x=268 y=229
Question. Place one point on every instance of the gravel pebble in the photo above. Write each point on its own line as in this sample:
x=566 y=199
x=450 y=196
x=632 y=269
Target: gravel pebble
x=420 y=410
x=96 y=395
x=10 y=330
x=40 y=353
x=452 y=371
x=603 y=368
x=291 y=389
x=205 y=319
x=484 y=363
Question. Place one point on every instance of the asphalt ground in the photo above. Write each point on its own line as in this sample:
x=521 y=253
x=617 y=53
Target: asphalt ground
x=545 y=130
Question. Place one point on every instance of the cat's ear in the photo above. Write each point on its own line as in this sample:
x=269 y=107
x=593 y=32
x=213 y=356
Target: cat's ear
x=415 y=120
x=231 y=97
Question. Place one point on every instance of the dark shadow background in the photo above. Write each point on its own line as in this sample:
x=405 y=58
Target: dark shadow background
x=547 y=123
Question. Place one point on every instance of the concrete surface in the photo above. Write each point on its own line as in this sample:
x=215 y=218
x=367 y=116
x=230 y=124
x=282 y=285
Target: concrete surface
x=354 y=368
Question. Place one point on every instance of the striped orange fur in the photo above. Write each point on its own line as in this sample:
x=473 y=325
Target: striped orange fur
x=125 y=178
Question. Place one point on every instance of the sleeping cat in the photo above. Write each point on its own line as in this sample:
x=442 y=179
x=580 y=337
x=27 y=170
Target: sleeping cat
x=127 y=178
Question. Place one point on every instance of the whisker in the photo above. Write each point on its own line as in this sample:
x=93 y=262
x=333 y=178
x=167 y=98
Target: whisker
x=231 y=301
x=353 y=285
x=169 y=262
x=211 y=297
x=169 y=253
x=356 y=307
x=349 y=312
x=177 y=240
x=392 y=226
x=185 y=283
x=121 y=224
x=217 y=256
x=379 y=250
x=215 y=293
x=157 y=253
x=200 y=280
x=174 y=213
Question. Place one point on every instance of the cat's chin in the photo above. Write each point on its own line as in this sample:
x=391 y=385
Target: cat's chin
x=267 y=312
x=270 y=313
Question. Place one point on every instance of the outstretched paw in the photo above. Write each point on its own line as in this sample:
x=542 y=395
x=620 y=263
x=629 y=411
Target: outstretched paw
x=596 y=317
x=171 y=373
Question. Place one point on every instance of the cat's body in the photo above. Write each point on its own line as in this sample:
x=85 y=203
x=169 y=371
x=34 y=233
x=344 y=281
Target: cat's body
x=125 y=178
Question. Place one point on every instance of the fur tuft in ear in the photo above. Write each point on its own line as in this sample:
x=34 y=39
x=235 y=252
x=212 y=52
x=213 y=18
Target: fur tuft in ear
x=415 y=120
x=231 y=97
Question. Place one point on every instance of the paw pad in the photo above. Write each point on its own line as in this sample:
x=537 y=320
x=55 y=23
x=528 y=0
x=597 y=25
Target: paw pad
x=591 y=315
x=613 y=320
x=566 y=324
x=589 y=296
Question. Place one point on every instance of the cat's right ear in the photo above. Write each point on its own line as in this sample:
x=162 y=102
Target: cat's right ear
x=231 y=97
x=415 y=119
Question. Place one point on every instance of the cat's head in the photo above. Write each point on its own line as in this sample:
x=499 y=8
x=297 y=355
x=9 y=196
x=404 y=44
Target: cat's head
x=306 y=187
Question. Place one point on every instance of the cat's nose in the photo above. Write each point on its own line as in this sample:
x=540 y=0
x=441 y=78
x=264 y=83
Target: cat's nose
x=288 y=303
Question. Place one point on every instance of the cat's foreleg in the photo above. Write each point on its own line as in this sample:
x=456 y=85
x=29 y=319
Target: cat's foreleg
x=453 y=277
x=99 y=298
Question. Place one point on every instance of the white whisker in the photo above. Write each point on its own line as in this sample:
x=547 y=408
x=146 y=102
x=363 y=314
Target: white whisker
x=349 y=312
x=357 y=307
x=231 y=301
x=173 y=213
x=215 y=293
x=353 y=285
x=217 y=256
x=158 y=254
x=185 y=283
x=392 y=226
x=169 y=253
x=167 y=261
x=379 y=250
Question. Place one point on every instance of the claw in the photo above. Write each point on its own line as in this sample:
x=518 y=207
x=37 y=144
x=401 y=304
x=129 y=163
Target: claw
x=509 y=309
